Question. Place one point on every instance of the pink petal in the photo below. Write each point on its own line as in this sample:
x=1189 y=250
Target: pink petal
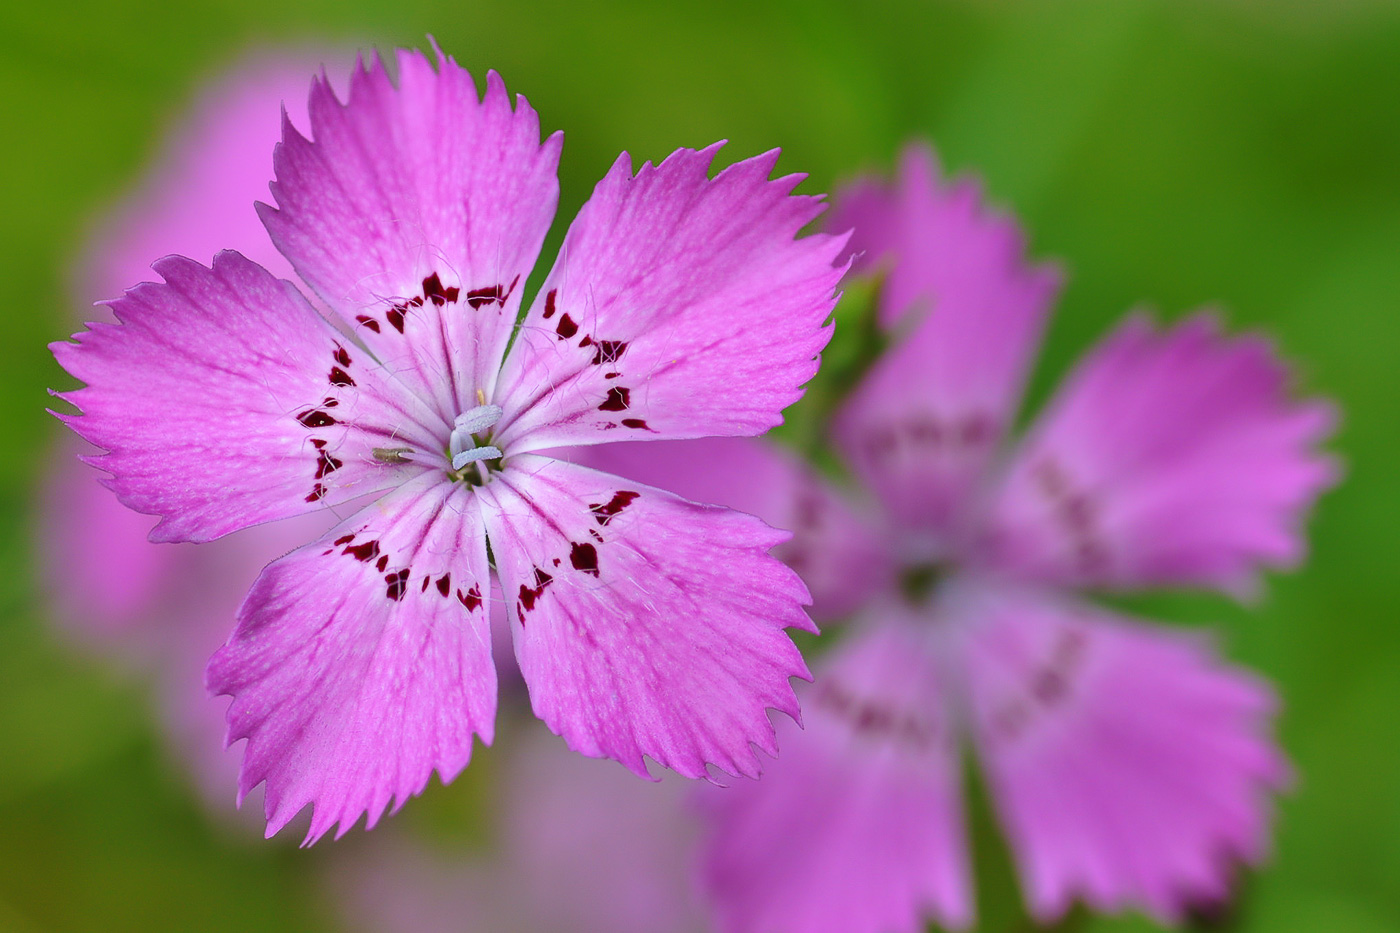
x=681 y=306
x=198 y=197
x=417 y=214
x=578 y=845
x=1177 y=457
x=588 y=847
x=644 y=624
x=857 y=827
x=1130 y=766
x=362 y=662
x=923 y=427
x=834 y=547
x=945 y=248
x=102 y=577
x=224 y=401
x=870 y=211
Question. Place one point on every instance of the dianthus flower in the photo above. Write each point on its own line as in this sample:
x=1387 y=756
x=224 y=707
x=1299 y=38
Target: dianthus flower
x=680 y=306
x=1128 y=764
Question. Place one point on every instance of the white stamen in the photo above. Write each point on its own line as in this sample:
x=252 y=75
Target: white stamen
x=461 y=459
x=462 y=446
x=480 y=417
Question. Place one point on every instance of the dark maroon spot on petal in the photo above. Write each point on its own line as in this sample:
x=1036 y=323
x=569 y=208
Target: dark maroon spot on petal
x=1078 y=512
x=976 y=430
x=340 y=377
x=620 y=500
x=444 y=584
x=478 y=297
x=1049 y=686
x=549 y=303
x=330 y=403
x=341 y=356
x=318 y=492
x=398 y=584
x=485 y=296
x=471 y=598
x=611 y=375
x=587 y=341
x=810 y=509
x=343 y=539
x=926 y=431
x=364 y=552
x=368 y=321
x=434 y=292
x=584 y=557
x=619 y=399
x=395 y=317
x=835 y=697
x=635 y=423
x=880 y=442
x=314 y=418
x=609 y=351
x=424 y=587
x=317 y=443
x=873 y=718
x=325 y=463
x=382 y=563
x=596 y=537
x=566 y=327
x=556 y=562
x=529 y=595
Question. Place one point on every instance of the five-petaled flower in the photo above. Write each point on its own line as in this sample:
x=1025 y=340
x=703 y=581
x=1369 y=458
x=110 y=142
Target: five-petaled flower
x=680 y=306
x=1129 y=765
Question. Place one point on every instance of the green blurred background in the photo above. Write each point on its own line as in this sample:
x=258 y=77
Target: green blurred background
x=1237 y=152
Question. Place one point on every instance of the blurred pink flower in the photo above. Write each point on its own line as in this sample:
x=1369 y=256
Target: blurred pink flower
x=1128 y=764
x=162 y=609
x=197 y=198
x=576 y=844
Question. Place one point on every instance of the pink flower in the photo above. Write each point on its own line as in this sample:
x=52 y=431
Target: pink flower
x=1128 y=764
x=680 y=306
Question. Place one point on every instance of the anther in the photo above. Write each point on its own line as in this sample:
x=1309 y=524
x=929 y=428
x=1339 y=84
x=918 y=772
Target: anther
x=461 y=459
x=478 y=419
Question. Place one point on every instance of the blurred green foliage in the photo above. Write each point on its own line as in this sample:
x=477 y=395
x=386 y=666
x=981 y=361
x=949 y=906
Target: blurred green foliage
x=1177 y=153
